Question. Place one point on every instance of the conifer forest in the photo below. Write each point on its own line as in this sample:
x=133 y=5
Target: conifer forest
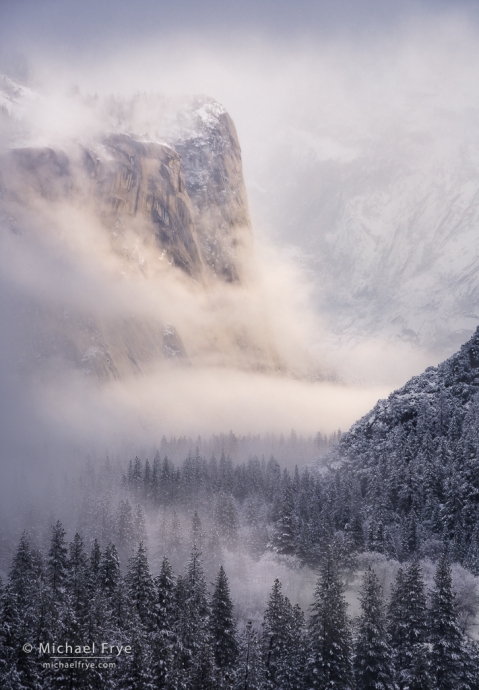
x=239 y=345
x=154 y=544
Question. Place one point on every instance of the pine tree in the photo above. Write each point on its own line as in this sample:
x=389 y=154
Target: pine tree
x=135 y=670
x=291 y=669
x=283 y=642
x=284 y=537
x=274 y=637
x=197 y=534
x=139 y=525
x=163 y=638
x=407 y=624
x=122 y=610
x=109 y=571
x=203 y=674
x=213 y=553
x=472 y=557
x=447 y=645
x=24 y=583
x=223 y=625
x=140 y=586
x=126 y=532
x=372 y=652
x=10 y=641
x=420 y=676
x=329 y=637
x=165 y=587
x=24 y=573
x=57 y=565
x=78 y=583
x=193 y=612
x=250 y=671
x=174 y=543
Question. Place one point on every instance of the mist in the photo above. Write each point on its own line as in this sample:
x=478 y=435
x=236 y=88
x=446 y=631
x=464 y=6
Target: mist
x=296 y=100
x=226 y=231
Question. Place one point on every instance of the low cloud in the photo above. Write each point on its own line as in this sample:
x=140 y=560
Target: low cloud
x=331 y=101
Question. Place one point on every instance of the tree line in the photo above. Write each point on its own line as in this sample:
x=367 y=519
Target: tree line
x=183 y=635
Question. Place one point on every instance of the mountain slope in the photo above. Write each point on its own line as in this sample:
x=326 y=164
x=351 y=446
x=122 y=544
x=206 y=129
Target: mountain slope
x=416 y=458
x=384 y=214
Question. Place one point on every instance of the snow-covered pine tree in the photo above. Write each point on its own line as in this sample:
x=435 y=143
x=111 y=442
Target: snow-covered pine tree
x=372 y=652
x=328 y=663
x=109 y=571
x=57 y=564
x=99 y=622
x=284 y=535
x=194 y=611
x=407 y=623
x=290 y=669
x=78 y=584
x=420 y=676
x=174 y=546
x=140 y=585
x=213 y=553
x=163 y=637
x=204 y=674
x=472 y=556
x=23 y=579
x=223 y=625
x=196 y=535
x=25 y=582
x=447 y=651
x=471 y=663
x=10 y=640
x=249 y=668
x=139 y=525
x=122 y=611
x=274 y=638
x=125 y=530
x=135 y=671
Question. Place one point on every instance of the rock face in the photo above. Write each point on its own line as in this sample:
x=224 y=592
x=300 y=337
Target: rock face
x=211 y=160
x=146 y=179
x=176 y=197
x=191 y=190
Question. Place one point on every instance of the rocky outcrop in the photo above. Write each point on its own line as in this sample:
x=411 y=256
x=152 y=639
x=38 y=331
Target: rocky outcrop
x=173 y=196
x=135 y=178
x=211 y=161
x=190 y=191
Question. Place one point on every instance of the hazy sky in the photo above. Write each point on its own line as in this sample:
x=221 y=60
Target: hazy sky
x=345 y=64
x=94 y=24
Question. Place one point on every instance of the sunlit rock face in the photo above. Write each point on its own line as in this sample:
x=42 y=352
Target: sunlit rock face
x=164 y=211
x=131 y=178
x=190 y=190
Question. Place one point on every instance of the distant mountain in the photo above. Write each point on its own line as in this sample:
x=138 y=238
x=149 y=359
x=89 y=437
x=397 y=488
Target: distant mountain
x=386 y=220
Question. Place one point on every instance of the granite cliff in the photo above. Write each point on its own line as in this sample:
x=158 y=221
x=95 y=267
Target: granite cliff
x=171 y=199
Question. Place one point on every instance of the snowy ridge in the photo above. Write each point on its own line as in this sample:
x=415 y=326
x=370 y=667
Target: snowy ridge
x=456 y=379
x=413 y=463
x=387 y=222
